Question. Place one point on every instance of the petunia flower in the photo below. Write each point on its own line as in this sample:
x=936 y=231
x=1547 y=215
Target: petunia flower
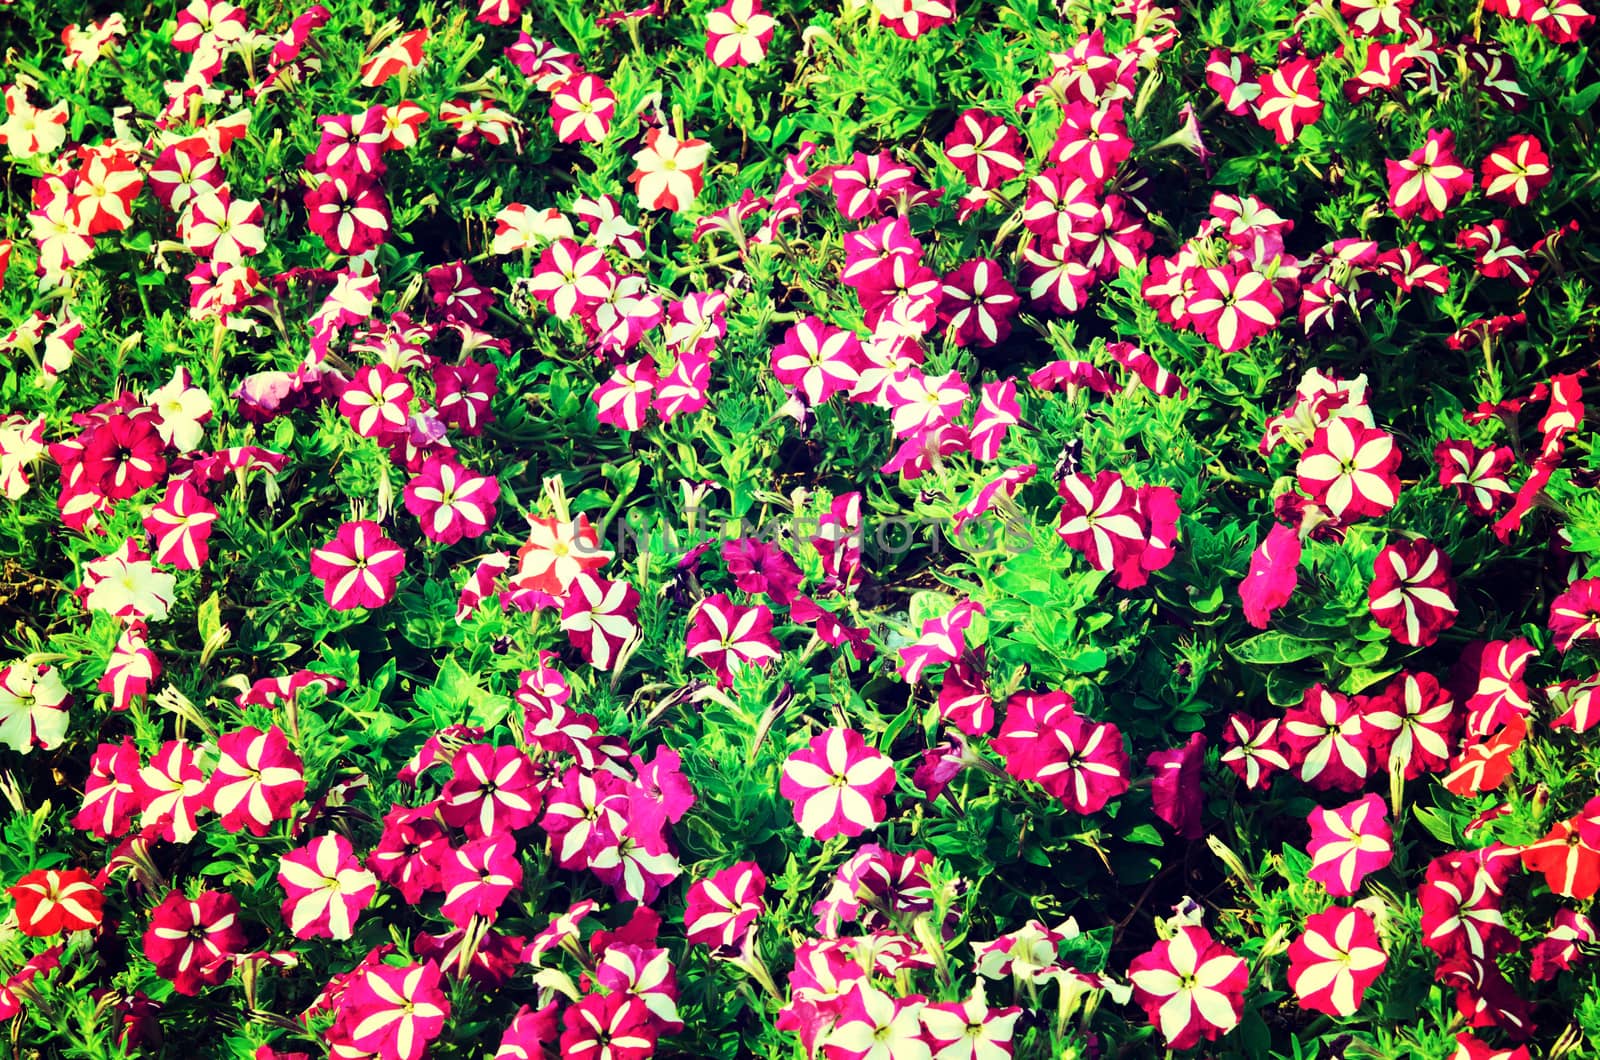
x=1327 y=740
x=1191 y=987
x=1335 y=960
x=1175 y=788
x=1348 y=844
x=257 y=780
x=1515 y=171
x=1081 y=762
x=33 y=707
x=581 y=109
x=1288 y=99
x=722 y=909
x=1428 y=180
x=600 y=618
x=325 y=888
x=738 y=33
x=670 y=171
x=50 y=901
x=1272 y=577
x=359 y=567
x=1575 y=614
x=394 y=1012
x=838 y=784
x=190 y=940
x=1351 y=469
x=450 y=501
x=1253 y=750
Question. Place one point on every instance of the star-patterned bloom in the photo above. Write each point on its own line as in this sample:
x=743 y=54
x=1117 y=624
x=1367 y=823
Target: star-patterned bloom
x=1191 y=987
x=1349 y=843
x=1412 y=594
x=326 y=888
x=1335 y=960
x=360 y=567
x=838 y=784
x=50 y=901
x=1351 y=469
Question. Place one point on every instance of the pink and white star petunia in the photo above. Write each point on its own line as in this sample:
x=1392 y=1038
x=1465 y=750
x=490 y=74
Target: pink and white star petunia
x=1348 y=843
x=838 y=784
x=1351 y=469
x=1288 y=99
x=326 y=888
x=738 y=33
x=1335 y=960
x=394 y=1013
x=722 y=909
x=1428 y=180
x=726 y=636
x=450 y=501
x=359 y=567
x=1191 y=987
x=599 y=617
x=1516 y=171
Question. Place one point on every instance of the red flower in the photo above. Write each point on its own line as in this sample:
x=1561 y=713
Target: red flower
x=1571 y=866
x=1081 y=762
x=1485 y=766
x=50 y=901
x=1516 y=171
x=190 y=940
x=1479 y=476
x=670 y=171
x=1233 y=305
x=1191 y=987
x=1254 y=752
x=325 y=887
x=1272 y=577
x=1288 y=99
x=394 y=1012
x=1413 y=724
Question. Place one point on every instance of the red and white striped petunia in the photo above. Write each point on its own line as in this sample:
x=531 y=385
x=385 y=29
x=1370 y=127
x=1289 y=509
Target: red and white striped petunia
x=181 y=526
x=258 y=779
x=1412 y=594
x=1233 y=305
x=581 y=109
x=838 y=784
x=1412 y=725
x=1327 y=740
x=325 y=888
x=377 y=401
x=359 y=568
x=670 y=171
x=1191 y=987
x=1480 y=476
x=1575 y=614
x=818 y=360
x=394 y=1013
x=1351 y=469
x=572 y=279
x=1335 y=960
x=189 y=940
x=50 y=901
x=1516 y=171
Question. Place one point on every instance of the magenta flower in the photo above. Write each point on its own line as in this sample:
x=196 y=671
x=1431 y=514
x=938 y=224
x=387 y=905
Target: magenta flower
x=942 y=641
x=359 y=567
x=1232 y=306
x=726 y=636
x=1492 y=678
x=1481 y=477
x=326 y=888
x=394 y=1013
x=581 y=109
x=722 y=909
x=1575 y=614
x=572 y=279
x=1428 y=180
x=838 y=784
x=1460 y=898
x=1191 y=987
x=874 y=1025
x=1272 y=577
x=258 y=779
x=818 y=360
x=607 y=1027
x=623 y=400
x=1081 y=762
x=412 y=851
x=978 y=303
x=1351 y=469
x=190 y=940
x=738 y=33
x=985 y=149
x=1348 y=843
x=451 y=502
x=491 y=790
x=1412 y=594
x=478 y=876
x=1335 y=960
x=600 y=618
x=111 y=792
x=181 y=526
x=1516 y=171
x=1175 y=787
x=1100 y=518
x=1254 y=752
x=1413 y=724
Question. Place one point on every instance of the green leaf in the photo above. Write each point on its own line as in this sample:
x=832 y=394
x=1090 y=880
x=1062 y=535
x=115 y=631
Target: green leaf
x=1275 y=648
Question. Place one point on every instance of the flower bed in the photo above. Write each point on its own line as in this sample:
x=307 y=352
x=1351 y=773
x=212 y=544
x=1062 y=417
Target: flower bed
x=905 y=532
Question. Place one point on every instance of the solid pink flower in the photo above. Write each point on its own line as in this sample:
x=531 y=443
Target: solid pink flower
x=1335 y=960
x=360 y=567
x=1175 y=787
x=1412 y=594
x=1272 y=577
x=1348 y=843
x=838 y=784
x=1191 y=987
x=722 y=909
x=326 y=888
